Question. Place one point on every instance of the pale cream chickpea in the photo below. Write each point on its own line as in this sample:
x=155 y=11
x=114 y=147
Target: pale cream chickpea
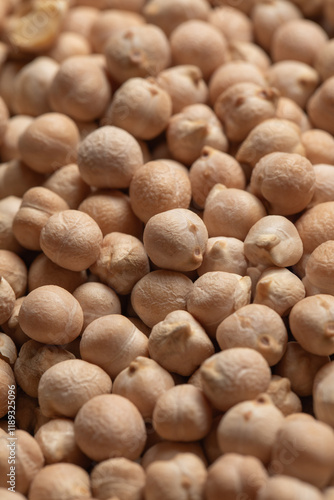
x=69 y=44
x=14 y=270
x=319 y=146
x=121 y=262
x=112 y=342
x=169 y=15
x=142 y=382
x=137 y=51
x=232 y=23
x=320 y=106
x=159 y=186
x=179 y=343
x=7 y=380
x=215 y=295
x=107 y=22
x=182 y=413
x=80 y=89
x=193 y=128
x=282 y=396
x=96 y=300
x=61 y=480
x=268 y=137
x=16 y=125
x=315 y=226
x=141 y=107
x=268 y=16
x=234 y=475
x=80 y=20
x=32 y=85
x=49 y=142
x=231 y=212
x=166 y=450
x=311 y=323
x=285 y=182
x=176 y=239
x=8 y=351
x=324 y=184
x=57 y=442
x=258 y=327
x=243 y=106
x=8 y=208
x=293 y=79
x=66 y=386
x=298 y=39
x=287 y=109
x=279 y=289
x=323 y=395
x=112 y=210
x=249 y=52
x=71 y=239
x=233 y=72
x=181 y=477
x=118 y=478
x=283 y=487
x=7 y=300
x=110 y=426
x=184 y=84
x=51 y=315
x=319 y=270
x=300 y=367
x=199 y=43
x=224 y=254
x=33 y=360
x=38 y=204
x=294 y=452
x=68 y=184
x=108 y=158
x=273 y=240
x=159 y=293
x=16 y=178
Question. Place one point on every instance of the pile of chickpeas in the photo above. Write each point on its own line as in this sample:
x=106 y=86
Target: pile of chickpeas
x=167 y=249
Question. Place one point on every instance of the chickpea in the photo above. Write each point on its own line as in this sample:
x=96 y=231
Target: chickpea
x=7 y=379
x=8 y=495
x=12 y=326
x=224 y=254
x=287 y=109
x=320 y=105
x=323 y=396
x=310 y=8
x=283 y=487
x=16 y=178
x=282 y=396
x=8 y=208
x=69 y=44
x=166 y=450
x=249 y=52
x=232 y=23
x=14 y=270
x=7 y=300
x=319 y=146
x=16 y=125
x=8 y=351
x=80 y=20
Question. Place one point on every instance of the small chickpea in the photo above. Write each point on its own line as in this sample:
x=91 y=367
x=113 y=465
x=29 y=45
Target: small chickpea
x=8 y=208
x=16 y=178
x=315 y=226
x=234 y=375
x=8 y=351
x=12 y=326
x=7 y=300
x=69 y=44
x=323 y=394
x=7 y=380
x=287 y=109
x=14 y=270
x=249 y=52
x=319 y=269
x=232 y=23
x=320 y=106
x=282 y=396
x=80 y=20
x=166 y=450
x=224 y=254
x=110 y=426
x=324 y=184
x=49 y=142
x=176 y=239
x=281 y=487
x=16 y=125
x=319 y=146
x=324 y=63
x=8 y=72
x=68 y=184
x=159 y=293
x=60 y=480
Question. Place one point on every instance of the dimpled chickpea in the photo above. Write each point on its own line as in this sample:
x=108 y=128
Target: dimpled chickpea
x=108 y=158
x=137 y=51
x=8 y=351
x=231 y=212
x=320 y=106
x=159 y=293
x=61 y=480
x=141 y=107
x=316 y=226
x=324 y=184
x=282 y=396
x=68 y=184
x=214 y=167
x=51 y=315
x=71 y=239
x=233 y=23
x=224 y=254
x=283 y=487
x=323 y=394
x=319 y=269
x=176 y=239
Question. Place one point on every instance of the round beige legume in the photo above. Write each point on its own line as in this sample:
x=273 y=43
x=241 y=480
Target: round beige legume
x=323 y=394
x=282 y=487
x=14 y=270
x=224 y=254
x=281 y=395
x=68 y=184
x=60 y=480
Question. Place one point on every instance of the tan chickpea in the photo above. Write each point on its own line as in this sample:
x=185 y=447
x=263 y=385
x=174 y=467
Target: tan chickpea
x=249 y=52
x=121 y=262
x=7 y=380
x=283 y=487
x=287 y=109
x=231 y=212
x=176 y=239
x=108 y=158
x=32 y=85
x=8 y=208
x=49 y=142
x=159 y=293
x=234 y=375
x=300 y=367
x=14 y=270
x=319 y=146
x=38 y=204
x=80 y=20
x=324 y=184
x=323 y=396
x=8 y=72
x=4 y=117
x=8 y=495
x=165 y=450
x=16 y=178
x=319 y=270
x=68 y=184
x=112 y=342
x=315 y=226
x=320 y=106
x=69 y=44
x=324 y=62
x=8 y=351
x=141 y=107
x=232 y=23
x=7 y=300
x=280 y=392
x=12 y=326
x=16 y=125
x=102 y=432
x=60 y=480
x=224 y=254
x=137 y=51
x=127 y=5
x=193 y=128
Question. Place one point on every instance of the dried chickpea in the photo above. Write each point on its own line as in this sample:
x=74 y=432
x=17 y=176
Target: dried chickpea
x=112 y=342
x=137 y=51
x=14 y=270
x=287 y=109
x=176 y=239
x=249 y=52
x=7 y=380
x=224 y=254
x=165 y=450
x=282 y=396
x=282 y=487
x=49 y=142
x=324 y=184
x=108 y=158
x=69 y=44
x=232 y=23
x=231 y=212
x=32 y=85
x=141 y=107
x=12 y=326
x=8 y=208
x=7 y=300
x=315 y=226
x=142 y=382
x=234 y=375
x=300 y=367
x=159 y=186
x=324 y=63
x=319 y=146
x=60 y=480
x=80 y=20
x=51 y=315
x=193 y=128
x=320 y=106
x=319 y=270
x=71 y=239
x=159 y=293
x=8 y=495
x=8 y=72
x=121 y=262
x=16 y=125
x=323 y=395
x=16 y=178
x=38 y=204
x=68 y=184
x=102 y=431
x=8 y=351
x=234 y=475
x=118 y=478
